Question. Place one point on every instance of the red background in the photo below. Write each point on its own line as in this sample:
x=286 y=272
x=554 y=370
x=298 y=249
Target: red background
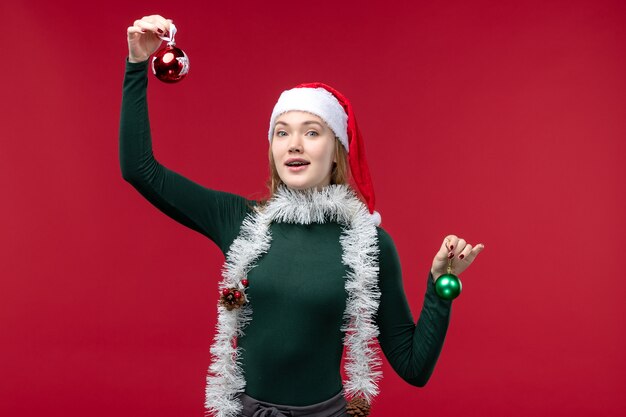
x=501 y=122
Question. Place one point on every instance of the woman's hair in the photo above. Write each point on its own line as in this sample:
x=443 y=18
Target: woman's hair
x=340 y=173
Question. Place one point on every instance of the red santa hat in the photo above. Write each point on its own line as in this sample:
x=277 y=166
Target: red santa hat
x=335 y=109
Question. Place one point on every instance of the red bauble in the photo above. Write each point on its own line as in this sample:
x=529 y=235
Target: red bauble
x=244 y=282
x=237 y=295
x=225 y=292
x=170 y=64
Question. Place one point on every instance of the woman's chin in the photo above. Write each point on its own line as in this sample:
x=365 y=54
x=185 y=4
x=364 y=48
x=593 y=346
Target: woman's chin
x=297 y=186
x=302 y=185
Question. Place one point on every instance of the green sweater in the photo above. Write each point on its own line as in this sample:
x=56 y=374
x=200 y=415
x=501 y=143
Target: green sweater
x=292 y=348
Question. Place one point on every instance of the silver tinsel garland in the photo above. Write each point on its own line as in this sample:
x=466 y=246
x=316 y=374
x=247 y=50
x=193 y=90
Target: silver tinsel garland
x=334 y=203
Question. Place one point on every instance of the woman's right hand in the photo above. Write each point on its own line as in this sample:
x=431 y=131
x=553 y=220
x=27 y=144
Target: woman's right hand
x=143 y=39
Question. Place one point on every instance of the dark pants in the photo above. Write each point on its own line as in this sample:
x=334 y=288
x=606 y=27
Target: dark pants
x=334 y=407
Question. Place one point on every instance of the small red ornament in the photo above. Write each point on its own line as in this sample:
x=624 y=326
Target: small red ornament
x=232 y=298
x=170 y=64
x=244 y=282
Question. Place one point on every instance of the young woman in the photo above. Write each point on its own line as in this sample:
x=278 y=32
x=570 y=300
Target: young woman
x=308 y=272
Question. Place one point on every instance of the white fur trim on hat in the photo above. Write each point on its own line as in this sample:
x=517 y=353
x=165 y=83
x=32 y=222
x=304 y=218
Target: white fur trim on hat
x=318 y=101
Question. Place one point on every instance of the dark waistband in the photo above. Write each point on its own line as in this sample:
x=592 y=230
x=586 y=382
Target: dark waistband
x=333 y=407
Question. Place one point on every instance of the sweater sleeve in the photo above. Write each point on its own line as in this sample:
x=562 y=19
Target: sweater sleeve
x=412 y=350
x=215 y=214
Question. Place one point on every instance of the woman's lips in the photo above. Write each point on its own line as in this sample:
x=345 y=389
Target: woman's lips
x=296 y=168
x=296 y=164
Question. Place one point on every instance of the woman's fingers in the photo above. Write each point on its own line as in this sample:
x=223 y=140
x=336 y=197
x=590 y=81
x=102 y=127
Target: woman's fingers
x=456 y=247
x=465 y=251
x=145 y=26
x=451 y=241
x=460 y=246
x=444 y=250
x=155 y=23
x=161 y=24
x=145 y=36
x=165 y=24
x=473 y=252
x=133 y=30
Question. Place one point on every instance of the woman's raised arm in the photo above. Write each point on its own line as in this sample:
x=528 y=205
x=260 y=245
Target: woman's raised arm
x=215 y=214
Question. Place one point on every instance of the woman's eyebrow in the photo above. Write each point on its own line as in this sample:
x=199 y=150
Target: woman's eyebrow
x=311 y=122
x=308 y=122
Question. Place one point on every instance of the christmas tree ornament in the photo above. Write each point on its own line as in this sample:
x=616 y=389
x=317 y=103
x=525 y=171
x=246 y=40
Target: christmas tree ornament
x=232 y=298
x=358 y=407
x=170 y=64
x=448 y=286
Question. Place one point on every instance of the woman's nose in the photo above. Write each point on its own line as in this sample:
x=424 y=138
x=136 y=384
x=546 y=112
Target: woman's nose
x=295 y=144
x=295 y=149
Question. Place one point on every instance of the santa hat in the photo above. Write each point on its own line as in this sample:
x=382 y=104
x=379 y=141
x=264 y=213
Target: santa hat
x=333 y=108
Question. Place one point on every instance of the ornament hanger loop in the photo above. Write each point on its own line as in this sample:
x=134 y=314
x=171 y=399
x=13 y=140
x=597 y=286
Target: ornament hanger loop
x=170 y=39
x=449 y=259
x=448 y=286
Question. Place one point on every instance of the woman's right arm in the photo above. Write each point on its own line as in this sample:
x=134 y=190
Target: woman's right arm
x=215 y=214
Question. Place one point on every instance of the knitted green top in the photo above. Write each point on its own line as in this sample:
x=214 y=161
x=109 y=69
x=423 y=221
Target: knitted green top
x=292 y=348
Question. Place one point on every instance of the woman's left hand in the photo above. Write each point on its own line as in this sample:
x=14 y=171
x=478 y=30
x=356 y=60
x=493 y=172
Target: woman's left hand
x=457 y=249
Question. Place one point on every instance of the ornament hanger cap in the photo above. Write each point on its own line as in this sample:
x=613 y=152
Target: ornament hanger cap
x=170 y=39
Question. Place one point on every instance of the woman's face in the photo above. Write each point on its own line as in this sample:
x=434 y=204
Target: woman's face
x=303 y=148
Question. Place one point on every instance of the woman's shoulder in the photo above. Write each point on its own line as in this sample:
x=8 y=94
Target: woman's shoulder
x=386 y=245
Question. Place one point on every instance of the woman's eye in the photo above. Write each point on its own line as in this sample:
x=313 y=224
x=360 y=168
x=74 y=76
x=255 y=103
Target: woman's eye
x=281 y=133
x=312 y=133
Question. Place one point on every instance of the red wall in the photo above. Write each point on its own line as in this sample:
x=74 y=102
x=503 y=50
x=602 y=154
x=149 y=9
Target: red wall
x=502 y=122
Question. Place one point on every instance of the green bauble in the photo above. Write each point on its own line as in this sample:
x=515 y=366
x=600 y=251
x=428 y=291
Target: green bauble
x=448 y=286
